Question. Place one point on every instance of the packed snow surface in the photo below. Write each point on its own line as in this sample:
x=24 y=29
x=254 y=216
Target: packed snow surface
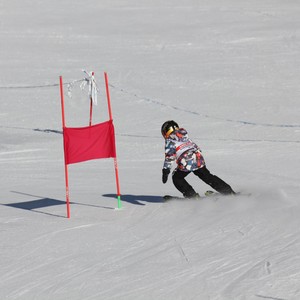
x=226 y=70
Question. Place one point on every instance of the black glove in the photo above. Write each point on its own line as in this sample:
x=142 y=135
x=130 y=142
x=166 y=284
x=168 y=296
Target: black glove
x=165 y=174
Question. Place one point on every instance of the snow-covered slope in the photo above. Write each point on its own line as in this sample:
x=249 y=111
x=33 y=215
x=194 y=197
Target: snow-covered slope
x=227 y=71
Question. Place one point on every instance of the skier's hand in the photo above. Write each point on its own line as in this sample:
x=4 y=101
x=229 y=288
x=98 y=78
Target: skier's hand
x=165 y=174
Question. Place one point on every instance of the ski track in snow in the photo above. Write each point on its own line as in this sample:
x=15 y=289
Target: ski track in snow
x=152 y=101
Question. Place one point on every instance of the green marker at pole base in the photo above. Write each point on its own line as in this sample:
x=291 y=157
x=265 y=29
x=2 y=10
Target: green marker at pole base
x=119 y=202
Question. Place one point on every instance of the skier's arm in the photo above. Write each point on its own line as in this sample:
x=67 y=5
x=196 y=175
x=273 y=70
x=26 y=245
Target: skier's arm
x=170 y=156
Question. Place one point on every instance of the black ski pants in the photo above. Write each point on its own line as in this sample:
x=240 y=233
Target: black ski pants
x=203 y=173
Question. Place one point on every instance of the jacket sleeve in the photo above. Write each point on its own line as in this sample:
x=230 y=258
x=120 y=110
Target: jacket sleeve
x=170 y=154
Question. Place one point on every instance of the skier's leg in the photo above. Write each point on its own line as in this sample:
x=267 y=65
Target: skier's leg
x=214 y=181
x=182 y=185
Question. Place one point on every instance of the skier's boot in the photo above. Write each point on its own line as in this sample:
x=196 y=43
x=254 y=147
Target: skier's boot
x=191 y=194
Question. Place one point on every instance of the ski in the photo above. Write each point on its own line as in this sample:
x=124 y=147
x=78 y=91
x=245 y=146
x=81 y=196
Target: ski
x=207 y=194
x=170 y=197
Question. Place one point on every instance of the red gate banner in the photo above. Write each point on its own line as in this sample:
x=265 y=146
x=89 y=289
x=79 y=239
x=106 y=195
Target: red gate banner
x=91 y=142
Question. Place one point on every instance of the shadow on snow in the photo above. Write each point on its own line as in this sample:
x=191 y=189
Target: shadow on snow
x=136 y=199
x=36 y=205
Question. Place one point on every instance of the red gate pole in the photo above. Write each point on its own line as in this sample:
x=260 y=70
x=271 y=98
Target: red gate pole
x=115 y=158
x=64 y=125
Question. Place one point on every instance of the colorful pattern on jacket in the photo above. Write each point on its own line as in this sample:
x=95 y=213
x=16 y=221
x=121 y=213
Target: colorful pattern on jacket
x=180 y=147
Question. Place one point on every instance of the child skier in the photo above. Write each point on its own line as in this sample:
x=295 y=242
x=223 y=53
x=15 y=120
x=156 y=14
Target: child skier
x=179 y=147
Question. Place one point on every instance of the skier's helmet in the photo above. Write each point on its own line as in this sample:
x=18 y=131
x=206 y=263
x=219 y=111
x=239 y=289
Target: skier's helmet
x=168 y=127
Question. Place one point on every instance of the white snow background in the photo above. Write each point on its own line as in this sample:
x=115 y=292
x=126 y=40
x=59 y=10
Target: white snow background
x=226 y=70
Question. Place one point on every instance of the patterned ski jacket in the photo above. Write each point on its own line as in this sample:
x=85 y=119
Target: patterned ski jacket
x=179 y=147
